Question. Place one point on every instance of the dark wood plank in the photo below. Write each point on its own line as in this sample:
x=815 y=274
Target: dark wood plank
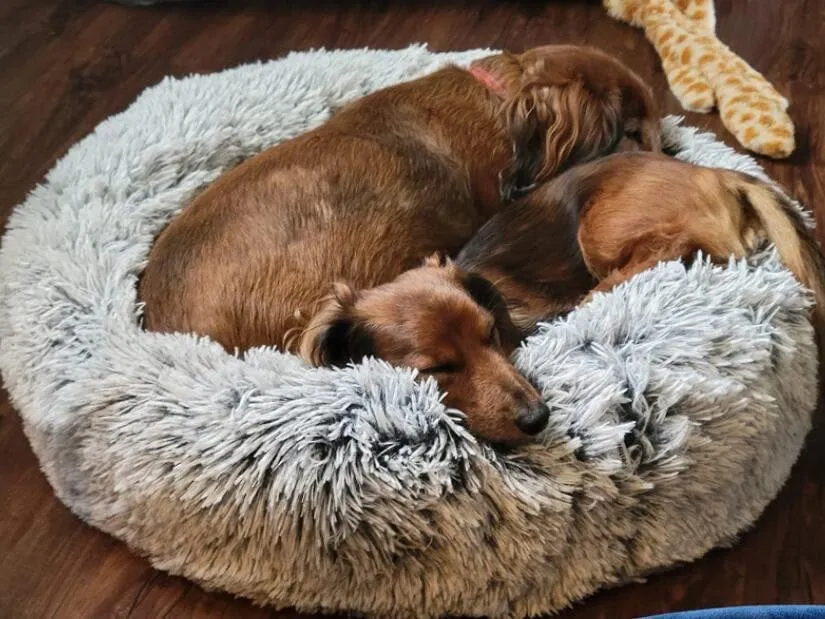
x=68 y=64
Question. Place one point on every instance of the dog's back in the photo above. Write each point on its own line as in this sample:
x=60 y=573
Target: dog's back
x=602 y=222
x=363 y=197
x=530 y=253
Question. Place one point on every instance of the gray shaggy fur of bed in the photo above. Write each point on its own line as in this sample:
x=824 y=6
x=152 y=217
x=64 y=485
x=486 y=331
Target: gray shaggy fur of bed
x=680 y=401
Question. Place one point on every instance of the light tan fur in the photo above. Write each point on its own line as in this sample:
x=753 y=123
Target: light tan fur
x=601 y=223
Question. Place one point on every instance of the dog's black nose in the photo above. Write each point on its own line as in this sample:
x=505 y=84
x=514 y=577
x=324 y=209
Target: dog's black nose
x=533 y=419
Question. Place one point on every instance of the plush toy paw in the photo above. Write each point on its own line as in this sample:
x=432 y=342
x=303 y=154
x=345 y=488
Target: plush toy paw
x=703 y=72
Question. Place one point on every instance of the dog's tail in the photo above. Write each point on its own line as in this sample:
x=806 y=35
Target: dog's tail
x=784 y=226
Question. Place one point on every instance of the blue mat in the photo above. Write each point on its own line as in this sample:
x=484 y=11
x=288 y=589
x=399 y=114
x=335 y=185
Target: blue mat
x=749 y=612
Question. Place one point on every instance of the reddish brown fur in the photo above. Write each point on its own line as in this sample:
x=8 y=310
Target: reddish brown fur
x=571 y=112
x=386 y=181
x=601 y=223
x=448 y=325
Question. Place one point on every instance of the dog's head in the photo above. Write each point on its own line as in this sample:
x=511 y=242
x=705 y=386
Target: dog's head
x=447 y=324
x=565 y=105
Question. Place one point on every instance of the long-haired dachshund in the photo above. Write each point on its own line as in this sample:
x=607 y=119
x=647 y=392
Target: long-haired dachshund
x=590 y=229
x=389 y=179
x=600 y=223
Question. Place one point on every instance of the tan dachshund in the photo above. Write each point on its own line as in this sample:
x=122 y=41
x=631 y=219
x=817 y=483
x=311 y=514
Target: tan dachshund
x=600 y=223
x=389 y=179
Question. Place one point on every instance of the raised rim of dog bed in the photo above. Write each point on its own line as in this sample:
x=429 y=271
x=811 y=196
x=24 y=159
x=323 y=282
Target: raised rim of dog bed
x=680 y=400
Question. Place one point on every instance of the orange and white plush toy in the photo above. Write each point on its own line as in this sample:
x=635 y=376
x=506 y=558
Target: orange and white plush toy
x=702 y=71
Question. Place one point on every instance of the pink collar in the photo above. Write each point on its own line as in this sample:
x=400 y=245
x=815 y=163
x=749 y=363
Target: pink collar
x=490 y=80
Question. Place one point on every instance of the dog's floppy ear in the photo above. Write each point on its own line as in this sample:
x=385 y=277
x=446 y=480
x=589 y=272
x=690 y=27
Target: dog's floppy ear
x=554 y=127
x=483 y=292
x=334 y=336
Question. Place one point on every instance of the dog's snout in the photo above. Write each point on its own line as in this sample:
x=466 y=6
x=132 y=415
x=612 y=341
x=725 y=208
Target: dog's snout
x=533 y=418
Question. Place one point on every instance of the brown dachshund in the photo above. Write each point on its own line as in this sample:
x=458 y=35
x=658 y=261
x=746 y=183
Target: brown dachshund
x=590 y=229
x=450 y=325
x=600 y=223
x=388 y=180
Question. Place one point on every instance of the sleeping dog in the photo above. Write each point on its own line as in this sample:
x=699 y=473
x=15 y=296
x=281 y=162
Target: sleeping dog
x=389 y=179
x=588 y=230
x=600 y=223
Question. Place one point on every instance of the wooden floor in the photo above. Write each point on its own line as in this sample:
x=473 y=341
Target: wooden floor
x=65 y=65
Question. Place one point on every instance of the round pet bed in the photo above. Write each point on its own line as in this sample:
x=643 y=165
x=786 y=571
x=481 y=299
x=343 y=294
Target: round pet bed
x=680 y=401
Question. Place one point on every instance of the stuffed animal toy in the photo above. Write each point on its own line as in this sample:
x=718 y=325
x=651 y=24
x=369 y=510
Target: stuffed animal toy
x=702 y=71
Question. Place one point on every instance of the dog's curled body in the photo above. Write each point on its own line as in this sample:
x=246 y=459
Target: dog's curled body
x=600 y=223
x=362 y=199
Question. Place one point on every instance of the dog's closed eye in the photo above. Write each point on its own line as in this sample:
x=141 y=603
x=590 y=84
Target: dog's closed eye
x=442 y=368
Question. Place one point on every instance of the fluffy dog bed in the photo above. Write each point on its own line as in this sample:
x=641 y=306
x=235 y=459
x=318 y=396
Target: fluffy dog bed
x=680 y=401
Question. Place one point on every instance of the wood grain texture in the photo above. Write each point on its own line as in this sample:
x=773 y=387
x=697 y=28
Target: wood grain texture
x=65 y=65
